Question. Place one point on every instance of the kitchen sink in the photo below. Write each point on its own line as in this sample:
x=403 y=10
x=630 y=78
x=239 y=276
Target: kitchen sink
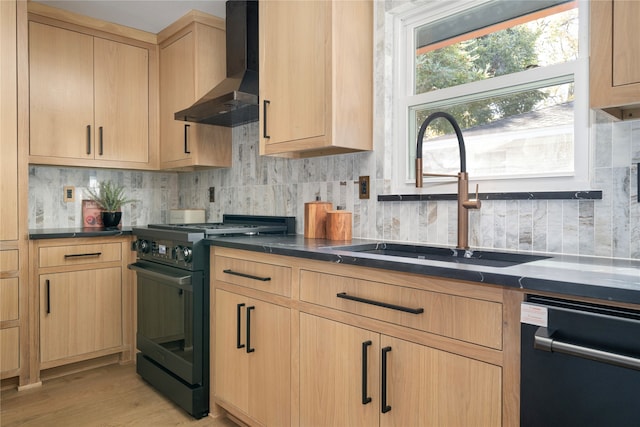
x=486 y=258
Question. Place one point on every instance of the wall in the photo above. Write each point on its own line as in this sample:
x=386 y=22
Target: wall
x=155 y=193
x=272 y=186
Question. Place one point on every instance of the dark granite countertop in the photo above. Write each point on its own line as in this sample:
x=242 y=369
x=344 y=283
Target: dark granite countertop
x=607 y=279
x=57 y=233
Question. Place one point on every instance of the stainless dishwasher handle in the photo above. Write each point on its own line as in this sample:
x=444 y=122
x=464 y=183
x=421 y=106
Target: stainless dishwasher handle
x=543 y=340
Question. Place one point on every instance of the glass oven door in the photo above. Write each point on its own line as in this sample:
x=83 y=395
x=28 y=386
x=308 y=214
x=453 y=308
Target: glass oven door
x=170 y=318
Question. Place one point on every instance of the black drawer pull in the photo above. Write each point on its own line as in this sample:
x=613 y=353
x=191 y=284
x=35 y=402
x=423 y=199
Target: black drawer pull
x=82 y=255
x=365 y=398
x=248 y=276
x=381 y=304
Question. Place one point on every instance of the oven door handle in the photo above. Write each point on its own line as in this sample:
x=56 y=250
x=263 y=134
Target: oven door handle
x=182 y=280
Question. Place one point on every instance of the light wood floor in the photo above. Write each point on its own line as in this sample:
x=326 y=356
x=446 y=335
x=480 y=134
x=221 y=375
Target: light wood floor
x=109 y=396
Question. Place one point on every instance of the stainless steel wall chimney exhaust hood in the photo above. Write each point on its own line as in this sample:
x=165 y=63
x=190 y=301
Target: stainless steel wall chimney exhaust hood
x=235 y=100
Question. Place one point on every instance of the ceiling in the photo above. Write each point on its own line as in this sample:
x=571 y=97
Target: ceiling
x=146 y=15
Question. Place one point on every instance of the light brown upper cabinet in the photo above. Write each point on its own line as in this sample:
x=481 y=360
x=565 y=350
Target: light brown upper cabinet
x=8 y=124
x=316 y=77
x=615 y=57
x=192 y=62
x=89 y=100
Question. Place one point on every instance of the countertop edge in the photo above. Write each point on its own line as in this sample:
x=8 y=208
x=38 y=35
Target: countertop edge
x=65 y=233
x=506 y=278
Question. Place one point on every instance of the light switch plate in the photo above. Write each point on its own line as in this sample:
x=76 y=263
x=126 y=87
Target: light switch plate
x=363 y=187
x=69 y=194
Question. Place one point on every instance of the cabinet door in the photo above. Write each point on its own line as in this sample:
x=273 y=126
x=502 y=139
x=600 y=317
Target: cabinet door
x=294 y=50
x=9 y=349
x=332 y=374
x=231 y=364
x=177 y=91
x=626 y=48
x=121 y=101
x=255 y=378
x=8 y=123
x=60 y=92
x=80 y=312
x=270 y=364
x=430 y=387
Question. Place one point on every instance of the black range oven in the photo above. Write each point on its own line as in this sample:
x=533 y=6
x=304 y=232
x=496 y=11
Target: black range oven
x=172 y=270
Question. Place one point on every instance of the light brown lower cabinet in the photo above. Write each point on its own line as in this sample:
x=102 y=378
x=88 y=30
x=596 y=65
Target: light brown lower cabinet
x=352 y=376
x=9 y=349
x=80 y=313
x=356 y=346
x=252 y=358
x=81 y=304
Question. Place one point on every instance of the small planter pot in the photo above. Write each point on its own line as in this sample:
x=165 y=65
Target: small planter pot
x=111 y=219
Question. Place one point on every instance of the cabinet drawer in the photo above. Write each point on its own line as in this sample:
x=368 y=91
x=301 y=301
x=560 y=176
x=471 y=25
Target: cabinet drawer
x=80 y=254
x=9 y=299
x=271 y=278
x=9 y=349
x=9 y=260
x=466 y=319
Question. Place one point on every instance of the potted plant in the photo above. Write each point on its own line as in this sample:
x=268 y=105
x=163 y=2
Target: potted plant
x=110 y=197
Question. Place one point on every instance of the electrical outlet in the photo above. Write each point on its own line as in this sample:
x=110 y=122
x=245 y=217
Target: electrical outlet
x=363 y=187
x=69 y=194
x=212 y=194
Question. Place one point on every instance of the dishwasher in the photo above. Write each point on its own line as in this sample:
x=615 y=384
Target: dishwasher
x=580 y=364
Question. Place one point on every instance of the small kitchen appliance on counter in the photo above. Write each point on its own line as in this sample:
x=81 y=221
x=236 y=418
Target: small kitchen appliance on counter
x=172 y=269
x=186 y=216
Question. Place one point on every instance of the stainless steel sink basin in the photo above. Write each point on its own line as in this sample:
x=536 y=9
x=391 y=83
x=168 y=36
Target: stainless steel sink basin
x=490 y=259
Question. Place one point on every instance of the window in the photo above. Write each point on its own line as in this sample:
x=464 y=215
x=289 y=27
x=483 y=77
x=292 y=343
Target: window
x=513 y=74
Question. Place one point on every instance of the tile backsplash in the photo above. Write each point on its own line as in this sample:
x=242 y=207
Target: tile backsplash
x=275 y=186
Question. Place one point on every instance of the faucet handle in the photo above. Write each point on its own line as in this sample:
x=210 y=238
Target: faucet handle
x=473 y=203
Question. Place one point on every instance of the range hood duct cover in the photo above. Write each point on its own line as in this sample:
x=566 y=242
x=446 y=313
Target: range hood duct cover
x=234 y=101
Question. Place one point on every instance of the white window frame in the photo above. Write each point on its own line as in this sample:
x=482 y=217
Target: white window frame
x=404 y=20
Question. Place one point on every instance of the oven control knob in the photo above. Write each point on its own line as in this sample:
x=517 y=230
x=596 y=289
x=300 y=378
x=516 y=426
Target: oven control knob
x=144 y=246
x=186 y=254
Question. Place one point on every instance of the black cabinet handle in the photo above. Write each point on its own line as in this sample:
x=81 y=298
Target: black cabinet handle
x=381 y=304
x=365 y=398
x=249 y=349
x=264 y=118
x=48 y=296
x=385 y=408
x=248 y=276
x=88 y=139
x=238 y=321
x=100 y=150
x=186 y=139
x=83 y=255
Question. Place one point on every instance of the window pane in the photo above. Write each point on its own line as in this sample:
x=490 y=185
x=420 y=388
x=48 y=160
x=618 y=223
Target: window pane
x=527 y=133
x=508 y=47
